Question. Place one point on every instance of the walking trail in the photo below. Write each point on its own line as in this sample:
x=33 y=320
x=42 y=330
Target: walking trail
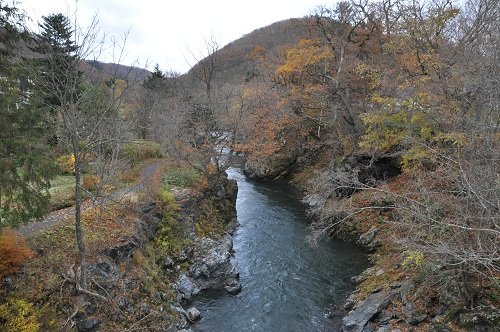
x=56 y=217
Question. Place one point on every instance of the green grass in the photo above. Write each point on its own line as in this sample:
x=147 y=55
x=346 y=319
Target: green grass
x=62 y=192
x=180 y=177
x=62 y=181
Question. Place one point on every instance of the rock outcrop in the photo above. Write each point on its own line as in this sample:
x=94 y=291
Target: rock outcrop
x=210 y=269
x=273 y=168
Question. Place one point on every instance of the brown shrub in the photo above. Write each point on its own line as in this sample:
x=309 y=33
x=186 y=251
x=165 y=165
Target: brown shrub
x=13 y=252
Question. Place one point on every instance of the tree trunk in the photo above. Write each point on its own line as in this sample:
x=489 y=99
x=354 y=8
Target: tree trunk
x=78 y=226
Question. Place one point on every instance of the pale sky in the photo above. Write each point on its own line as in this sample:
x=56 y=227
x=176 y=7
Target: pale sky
x=167 y=32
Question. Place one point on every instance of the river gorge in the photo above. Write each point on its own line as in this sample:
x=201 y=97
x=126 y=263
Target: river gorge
x=287 y=284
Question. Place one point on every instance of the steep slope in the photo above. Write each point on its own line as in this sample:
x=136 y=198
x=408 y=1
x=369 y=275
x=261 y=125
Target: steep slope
x=233 y=62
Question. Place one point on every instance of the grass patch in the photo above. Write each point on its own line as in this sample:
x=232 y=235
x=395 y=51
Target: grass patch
x=62 y=192
x=184 y=177
x=141 y=150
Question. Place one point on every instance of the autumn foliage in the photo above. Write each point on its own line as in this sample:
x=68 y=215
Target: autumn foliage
x=13 y=252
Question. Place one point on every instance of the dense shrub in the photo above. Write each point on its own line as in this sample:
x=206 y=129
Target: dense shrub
x=171 y=235
x=13 y=252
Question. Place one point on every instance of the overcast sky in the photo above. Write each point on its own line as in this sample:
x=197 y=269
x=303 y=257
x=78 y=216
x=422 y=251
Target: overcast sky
x=165 y=32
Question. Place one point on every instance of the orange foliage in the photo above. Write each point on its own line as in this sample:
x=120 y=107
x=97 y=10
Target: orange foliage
x=91 y=182
x=304 y=62
x=66 y=164
x=269 y=127
x=257 y=54
x=13 y=252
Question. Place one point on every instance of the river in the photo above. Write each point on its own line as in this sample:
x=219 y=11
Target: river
x=288 y=285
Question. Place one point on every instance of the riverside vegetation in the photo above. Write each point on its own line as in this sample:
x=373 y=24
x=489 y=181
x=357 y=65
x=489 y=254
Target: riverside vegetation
x=385 y=113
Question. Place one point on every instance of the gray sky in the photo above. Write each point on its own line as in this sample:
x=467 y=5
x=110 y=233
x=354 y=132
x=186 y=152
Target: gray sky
x=165 y=32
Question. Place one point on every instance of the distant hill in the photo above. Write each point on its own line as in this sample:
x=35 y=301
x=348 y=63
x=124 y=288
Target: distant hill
x=233 y=61
x=93 y=69
x=121 y=71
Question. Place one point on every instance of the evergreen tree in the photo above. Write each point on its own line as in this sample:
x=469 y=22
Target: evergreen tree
x=25 y=170
x=155 y=80
x=56 y=36
x=58 y=64
x=57 y=68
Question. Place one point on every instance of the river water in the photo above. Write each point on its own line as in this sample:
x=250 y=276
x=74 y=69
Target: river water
x=287 y=284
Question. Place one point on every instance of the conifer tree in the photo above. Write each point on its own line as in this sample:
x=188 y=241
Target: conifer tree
x=25 y=170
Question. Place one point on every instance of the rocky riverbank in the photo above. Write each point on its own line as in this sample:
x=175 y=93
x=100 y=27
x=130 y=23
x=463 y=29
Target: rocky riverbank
x=206 y=263
x=392 y=295
x=145 y=264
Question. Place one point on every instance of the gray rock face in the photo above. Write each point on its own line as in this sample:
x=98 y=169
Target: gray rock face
x=233 y=287
x=212 y=267
x=122 y=252
x=356 y=320
x=412 y=316
x=168 y=263
x=268 y=169
x=105 y=272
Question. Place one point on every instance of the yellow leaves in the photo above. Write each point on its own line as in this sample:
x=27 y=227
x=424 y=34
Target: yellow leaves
x=372 y=75
x=91 y=182
x=416 y=156
x=399 y=123
x=257 y=54
x=18 y=316
x=307 y=59
x=383 y=100
x=413 y=259
x=455 y=138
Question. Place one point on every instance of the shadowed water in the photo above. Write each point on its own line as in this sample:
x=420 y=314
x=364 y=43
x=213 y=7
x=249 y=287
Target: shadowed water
x=287 y=284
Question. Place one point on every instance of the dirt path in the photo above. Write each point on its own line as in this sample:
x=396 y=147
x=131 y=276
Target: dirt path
x=58 y=216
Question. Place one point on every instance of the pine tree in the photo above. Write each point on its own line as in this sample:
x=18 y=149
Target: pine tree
x=58 y=63
x=156 y=79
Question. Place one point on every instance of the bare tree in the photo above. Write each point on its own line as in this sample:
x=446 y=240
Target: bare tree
x=88 y=114
x=194 y=122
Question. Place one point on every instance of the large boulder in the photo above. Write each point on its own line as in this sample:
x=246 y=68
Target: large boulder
x=211 y=269
x=369 y=241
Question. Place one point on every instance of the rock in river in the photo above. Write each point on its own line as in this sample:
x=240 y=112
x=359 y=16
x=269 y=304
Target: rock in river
x=193 y=314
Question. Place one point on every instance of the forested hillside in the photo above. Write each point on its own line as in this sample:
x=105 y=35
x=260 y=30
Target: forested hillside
x=384 y=113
